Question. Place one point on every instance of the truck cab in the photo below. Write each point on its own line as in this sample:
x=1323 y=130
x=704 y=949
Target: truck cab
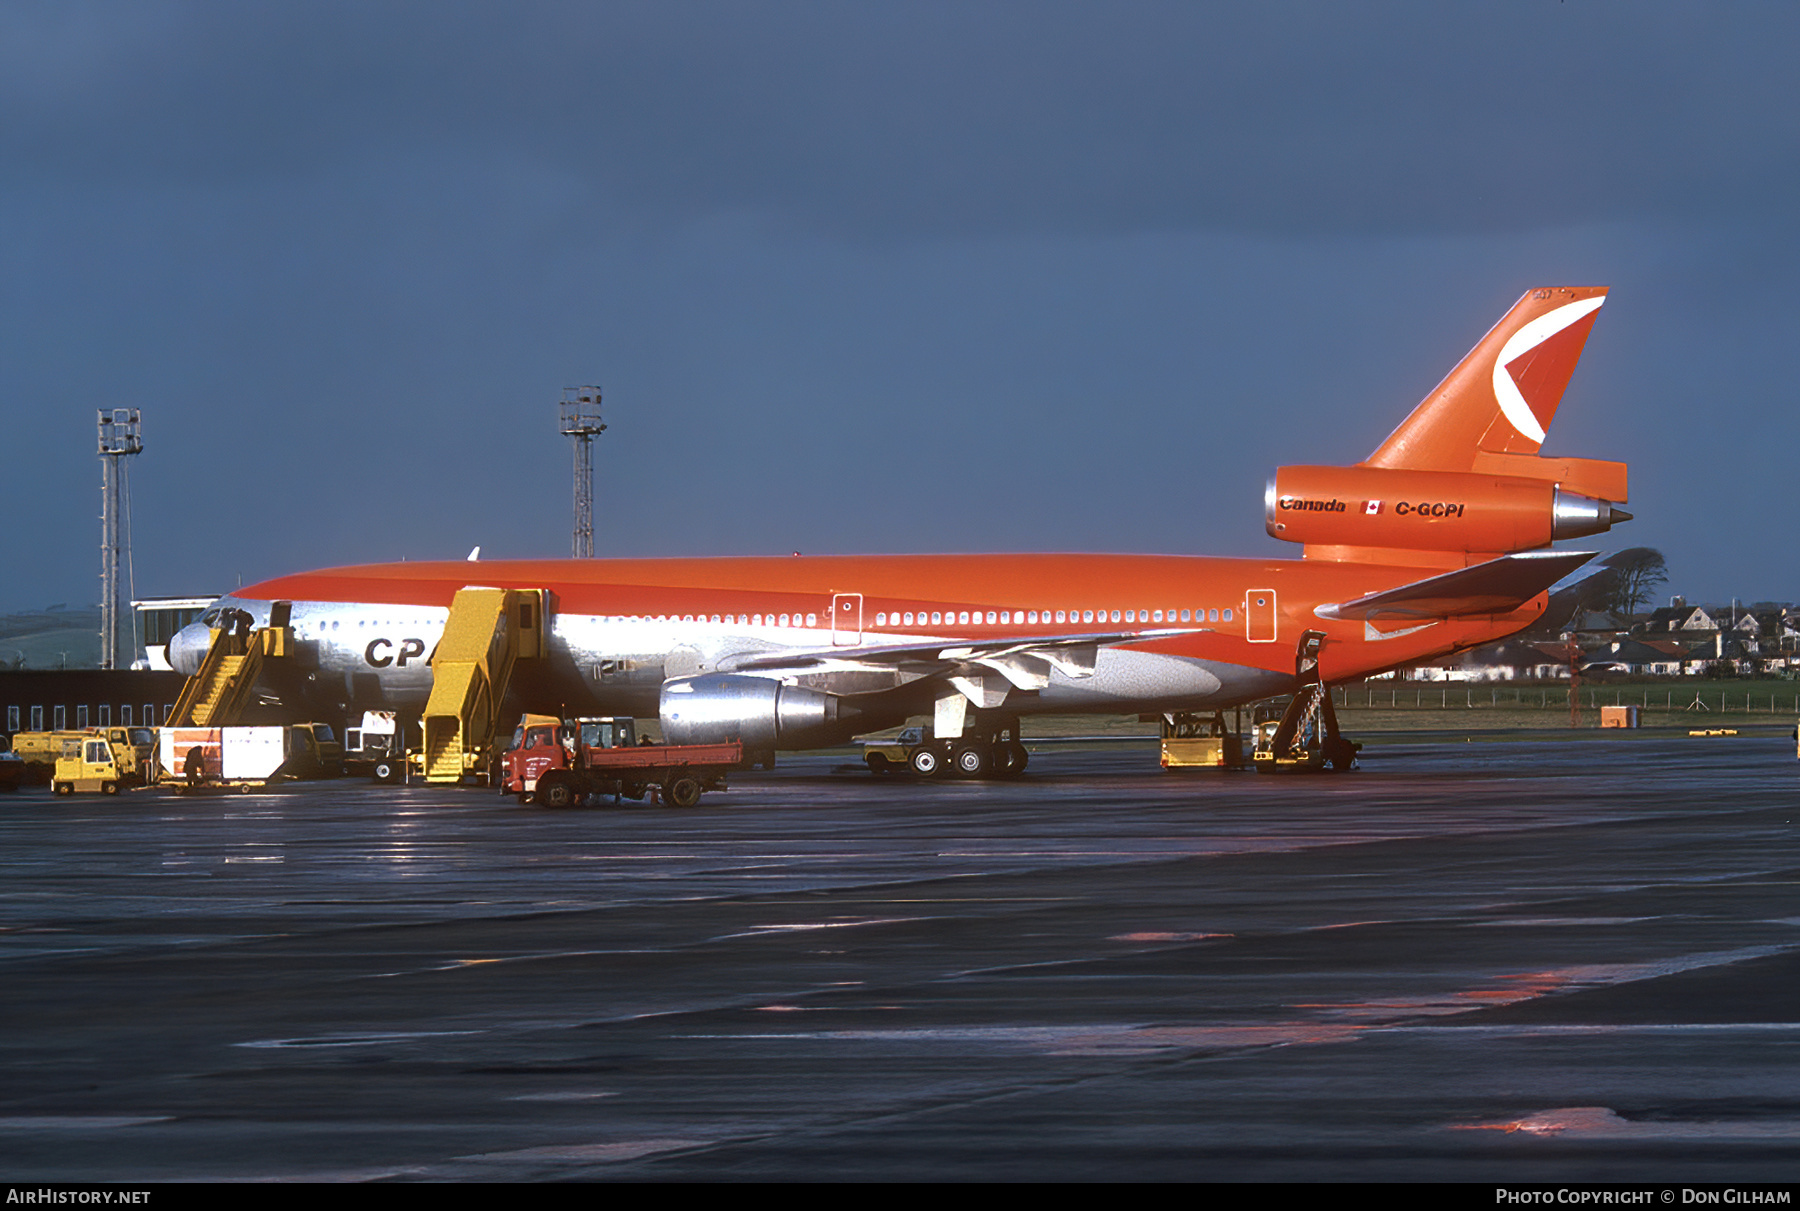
x=605 y=731
x=92 y=765
x=537 y=745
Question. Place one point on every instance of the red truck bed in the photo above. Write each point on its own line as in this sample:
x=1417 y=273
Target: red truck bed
x=660 y=756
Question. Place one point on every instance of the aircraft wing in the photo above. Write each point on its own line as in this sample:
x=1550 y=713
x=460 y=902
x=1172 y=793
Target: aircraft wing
x=1494 y=587
x=1024 y=661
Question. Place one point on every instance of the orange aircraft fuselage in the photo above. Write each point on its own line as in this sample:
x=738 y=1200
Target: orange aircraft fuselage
x=1439 y=542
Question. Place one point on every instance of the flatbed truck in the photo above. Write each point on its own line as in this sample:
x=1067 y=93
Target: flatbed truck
x=560 y=762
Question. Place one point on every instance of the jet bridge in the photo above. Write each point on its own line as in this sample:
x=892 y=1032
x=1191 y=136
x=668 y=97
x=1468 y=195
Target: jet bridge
x=488 y=631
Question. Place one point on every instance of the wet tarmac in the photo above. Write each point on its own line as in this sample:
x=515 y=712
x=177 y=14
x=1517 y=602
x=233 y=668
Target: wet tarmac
x=1514 y=962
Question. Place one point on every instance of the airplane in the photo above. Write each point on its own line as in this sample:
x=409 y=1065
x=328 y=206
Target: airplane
x=1437 y=542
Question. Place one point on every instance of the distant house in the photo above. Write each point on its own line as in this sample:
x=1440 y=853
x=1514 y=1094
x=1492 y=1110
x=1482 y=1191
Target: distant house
x=1639 y=657
x=1684 y=618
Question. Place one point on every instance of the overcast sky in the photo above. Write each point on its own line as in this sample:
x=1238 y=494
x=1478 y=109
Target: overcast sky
x=905 y=277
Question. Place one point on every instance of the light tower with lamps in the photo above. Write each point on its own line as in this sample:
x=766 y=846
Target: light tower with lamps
x=581 y=422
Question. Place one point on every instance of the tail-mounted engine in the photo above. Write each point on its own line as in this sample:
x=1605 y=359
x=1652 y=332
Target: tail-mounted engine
x=1429 y=510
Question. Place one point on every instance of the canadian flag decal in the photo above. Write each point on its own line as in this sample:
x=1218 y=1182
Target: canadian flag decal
x=1371 y=508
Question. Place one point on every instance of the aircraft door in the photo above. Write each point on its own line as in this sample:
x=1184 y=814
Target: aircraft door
x=1259 y=615
x=846 y=619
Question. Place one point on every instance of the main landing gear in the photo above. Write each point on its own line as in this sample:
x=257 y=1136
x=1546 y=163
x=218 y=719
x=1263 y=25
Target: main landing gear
x=996 y=754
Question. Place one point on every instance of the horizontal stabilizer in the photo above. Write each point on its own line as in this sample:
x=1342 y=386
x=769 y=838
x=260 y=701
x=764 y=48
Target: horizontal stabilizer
x=1495 y=587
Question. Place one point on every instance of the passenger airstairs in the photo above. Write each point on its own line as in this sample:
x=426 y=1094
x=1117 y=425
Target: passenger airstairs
x=220 y=689
x=487 y=632
x=1307 y=737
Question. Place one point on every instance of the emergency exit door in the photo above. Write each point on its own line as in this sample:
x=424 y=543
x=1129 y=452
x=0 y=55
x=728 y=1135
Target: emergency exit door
x=1259 y=615
x=846 y=619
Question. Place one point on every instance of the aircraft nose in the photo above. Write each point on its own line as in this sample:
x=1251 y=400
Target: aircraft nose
x=188 y=648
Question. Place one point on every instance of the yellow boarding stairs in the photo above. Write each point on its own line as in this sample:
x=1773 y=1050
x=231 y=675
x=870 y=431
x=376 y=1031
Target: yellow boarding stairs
x=487 y=631
x=219 y=690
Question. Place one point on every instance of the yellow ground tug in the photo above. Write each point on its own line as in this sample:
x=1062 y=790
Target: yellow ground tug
x=1193 y=741
x=88 y=765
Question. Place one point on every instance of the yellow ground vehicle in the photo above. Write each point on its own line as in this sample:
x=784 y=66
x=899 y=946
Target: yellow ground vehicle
x=1200 y=742
x=887 y=756
x=133 y=747
x=40 y=750
x=92 y=766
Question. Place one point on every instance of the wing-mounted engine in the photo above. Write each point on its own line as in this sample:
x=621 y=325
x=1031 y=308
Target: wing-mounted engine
x=1413 y=510
x=761 y=713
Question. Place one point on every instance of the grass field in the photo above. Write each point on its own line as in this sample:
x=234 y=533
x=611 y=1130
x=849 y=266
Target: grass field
x=1661 y=705
x=1491 y=711
x=76 y=647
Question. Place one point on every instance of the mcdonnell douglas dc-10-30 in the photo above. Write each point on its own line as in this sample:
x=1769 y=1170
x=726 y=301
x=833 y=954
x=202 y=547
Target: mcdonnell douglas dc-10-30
x=1439 y=541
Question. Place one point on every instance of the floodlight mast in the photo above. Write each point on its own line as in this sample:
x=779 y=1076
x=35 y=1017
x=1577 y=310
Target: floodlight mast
x=121 y=436
x=581 y=423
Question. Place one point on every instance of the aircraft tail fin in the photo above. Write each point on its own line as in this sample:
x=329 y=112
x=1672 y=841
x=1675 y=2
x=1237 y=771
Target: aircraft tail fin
x=1490 y=414
x=1461 y=479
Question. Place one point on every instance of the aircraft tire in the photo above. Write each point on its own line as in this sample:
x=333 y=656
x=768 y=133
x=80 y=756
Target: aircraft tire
x=682 y=792
x=1000 y=760
x=972 y=761
x=926 y=762
x=1010 y=759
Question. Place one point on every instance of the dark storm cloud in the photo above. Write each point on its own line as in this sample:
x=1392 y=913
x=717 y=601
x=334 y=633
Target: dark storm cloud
x=914 y=120
x=863 y=277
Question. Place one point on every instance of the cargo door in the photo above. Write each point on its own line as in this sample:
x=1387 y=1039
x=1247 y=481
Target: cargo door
x=1259 y=615
x=846 y=619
